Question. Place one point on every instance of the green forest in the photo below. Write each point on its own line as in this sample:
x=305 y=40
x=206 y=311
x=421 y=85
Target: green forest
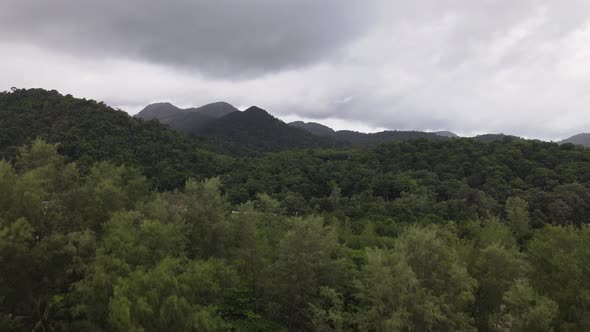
x=111 y=223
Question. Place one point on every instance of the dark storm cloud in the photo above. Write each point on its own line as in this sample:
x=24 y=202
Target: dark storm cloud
x=217 y=37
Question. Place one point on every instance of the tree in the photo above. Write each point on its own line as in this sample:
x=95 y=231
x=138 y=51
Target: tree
x=496 y=270
x=308 y=259
x=176 y=295
x=518 y=217
x=422 y=284
x=385 y=289
x=109 y=188
x=205 y=213
x=327 y=315
x=7 y=183
x=525 y=310
x=559 y=269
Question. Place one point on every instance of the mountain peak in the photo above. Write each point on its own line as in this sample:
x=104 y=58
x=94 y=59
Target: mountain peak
x=215 y=110
x=161 y=104
x=315 y=128
x=579 y=139
x=157 y=110
x=220 y=103
x=255 y=109
x=446 y=133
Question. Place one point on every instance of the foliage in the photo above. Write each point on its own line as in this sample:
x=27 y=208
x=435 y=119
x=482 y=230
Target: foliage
x=455 y=235
x=89 y=132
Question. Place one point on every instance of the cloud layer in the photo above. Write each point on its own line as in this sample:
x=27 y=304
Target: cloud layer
x=221 y=38
x=520 y=67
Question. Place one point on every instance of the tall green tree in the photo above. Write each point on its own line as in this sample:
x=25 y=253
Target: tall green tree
x=559 y=258
x=517 y=214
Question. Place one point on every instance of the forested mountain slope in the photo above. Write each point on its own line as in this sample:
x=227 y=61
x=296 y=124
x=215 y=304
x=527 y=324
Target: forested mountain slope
x=231 y=131
x=256 y=130
x=446 y=133
x=457 y=179
x=317 y=129
x=580 y=139
x=496 y=137
x=190 y=121
x=373 y=139
x=89 y=131
x=369 y=139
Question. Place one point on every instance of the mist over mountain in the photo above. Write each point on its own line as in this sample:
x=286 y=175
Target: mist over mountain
x=580 y=139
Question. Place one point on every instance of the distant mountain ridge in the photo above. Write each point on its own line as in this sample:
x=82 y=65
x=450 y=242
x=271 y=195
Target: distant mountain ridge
x=256 y=130
x=215 y=110
x=158 y=110
x=232 y=130
x=446 y=133
x=486 y=138
x=579 y=139
x=315 y=128
x=188 y=121
x=368 y=139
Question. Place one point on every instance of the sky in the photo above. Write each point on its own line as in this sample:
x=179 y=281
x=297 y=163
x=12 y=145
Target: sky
x=519 y=67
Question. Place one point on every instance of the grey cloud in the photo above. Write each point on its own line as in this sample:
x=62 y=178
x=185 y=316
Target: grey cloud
x=519 y=67
x=218 y=38
x=474 y=66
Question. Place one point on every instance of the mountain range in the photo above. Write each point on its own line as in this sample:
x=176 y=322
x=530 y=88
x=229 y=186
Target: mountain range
x=227 y=128
x=256 y=129
x=90 y=131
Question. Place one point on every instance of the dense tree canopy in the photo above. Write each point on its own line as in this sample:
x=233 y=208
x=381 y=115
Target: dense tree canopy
x=454 y=235
x=89 y=132
x=100 y=251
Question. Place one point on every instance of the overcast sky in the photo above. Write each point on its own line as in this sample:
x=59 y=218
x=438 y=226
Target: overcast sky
x=519 y=67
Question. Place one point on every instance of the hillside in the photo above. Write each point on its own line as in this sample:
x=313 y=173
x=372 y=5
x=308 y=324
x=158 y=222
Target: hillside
x=158 y=111
x=315 y=128
x=226 y=129
x=580 y=139
x=355 y=138
x=487 y=138
x=189 y=121
x=256 y=130
x=372 y=139
x=214 y=110
x=250 y=131
x=445 y=133
x=89 y=131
